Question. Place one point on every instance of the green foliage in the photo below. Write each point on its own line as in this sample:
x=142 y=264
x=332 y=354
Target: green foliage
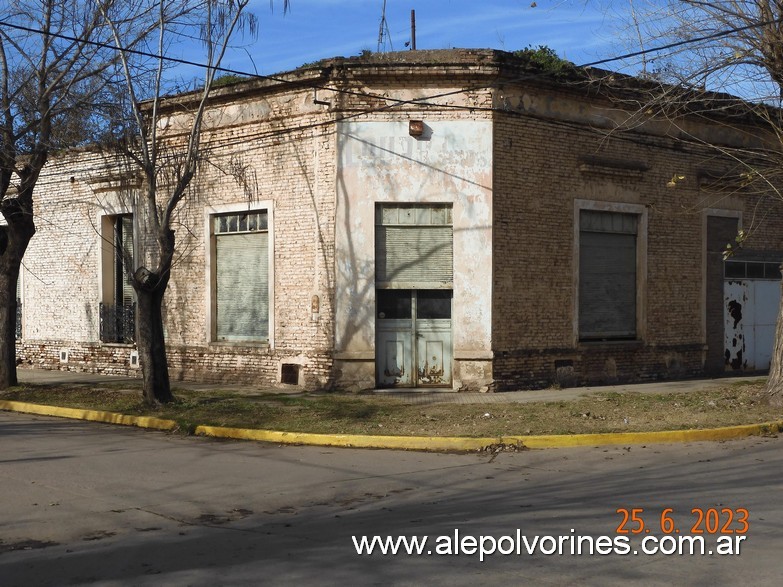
x=309 y=64
x=545 y=58
x=729 y=250
x=227 y=80
x=364 y=53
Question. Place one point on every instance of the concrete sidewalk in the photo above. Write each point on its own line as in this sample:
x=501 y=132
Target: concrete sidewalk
x=423 y=396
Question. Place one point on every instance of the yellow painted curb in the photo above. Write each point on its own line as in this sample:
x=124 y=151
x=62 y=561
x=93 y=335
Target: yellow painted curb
x=91 y=415
x=426 y=443
x=465 y=443
x=615 y=438
x=451 y=443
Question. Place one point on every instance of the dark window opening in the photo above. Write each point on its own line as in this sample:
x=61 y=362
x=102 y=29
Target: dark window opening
x=751 y=270
x=117 y=311
x=755 y=270
x=18 y=319
x=117 y=323
x=394 y=304
x=734 y=269
x=289 y=374
x=433 y=304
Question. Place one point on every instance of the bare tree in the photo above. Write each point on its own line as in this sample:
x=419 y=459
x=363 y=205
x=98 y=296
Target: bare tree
x=166 y=153
x=53 y=74
x=716 y=51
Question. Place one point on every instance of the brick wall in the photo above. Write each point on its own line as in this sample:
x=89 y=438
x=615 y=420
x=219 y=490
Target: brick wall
x=294 y=170
x=274 y=144
x=542 y=164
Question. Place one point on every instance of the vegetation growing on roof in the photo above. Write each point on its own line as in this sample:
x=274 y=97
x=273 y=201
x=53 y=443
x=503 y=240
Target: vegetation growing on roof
x=228 y=79
x=546 y=59
x=309 y=64
x=362 y=55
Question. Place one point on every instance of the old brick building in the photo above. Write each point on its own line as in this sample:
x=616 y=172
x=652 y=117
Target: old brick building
x=457 y=219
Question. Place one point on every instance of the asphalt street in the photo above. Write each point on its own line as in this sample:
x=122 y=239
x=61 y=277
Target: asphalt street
x=85 y=503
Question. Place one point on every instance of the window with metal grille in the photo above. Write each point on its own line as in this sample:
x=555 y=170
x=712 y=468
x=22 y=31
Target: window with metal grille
x=118 y=306
x=19 y=307
x=241 y=276
x=414 y=246
x=607 y=275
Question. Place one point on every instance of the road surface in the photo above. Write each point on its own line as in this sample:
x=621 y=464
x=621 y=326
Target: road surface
x=85 y=503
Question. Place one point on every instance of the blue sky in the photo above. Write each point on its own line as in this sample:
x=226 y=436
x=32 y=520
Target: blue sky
x=315 y=29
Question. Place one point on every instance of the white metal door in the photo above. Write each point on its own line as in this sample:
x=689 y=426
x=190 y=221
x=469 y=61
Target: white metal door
x=413 y=341
x=750 y=311
x=394 y=354
x=433 y=352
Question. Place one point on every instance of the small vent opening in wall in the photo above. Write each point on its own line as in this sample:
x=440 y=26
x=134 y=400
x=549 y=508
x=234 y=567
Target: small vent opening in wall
x=289 y=374
x=64 y=355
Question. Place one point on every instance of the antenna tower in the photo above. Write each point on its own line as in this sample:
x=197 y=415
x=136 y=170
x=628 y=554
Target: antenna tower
x=383 y=32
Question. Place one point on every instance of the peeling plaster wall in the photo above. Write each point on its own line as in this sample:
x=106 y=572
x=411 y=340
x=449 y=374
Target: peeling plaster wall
x=380 y=162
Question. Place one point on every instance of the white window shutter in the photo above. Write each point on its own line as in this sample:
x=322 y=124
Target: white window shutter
x=414 y=254
x=242 y=286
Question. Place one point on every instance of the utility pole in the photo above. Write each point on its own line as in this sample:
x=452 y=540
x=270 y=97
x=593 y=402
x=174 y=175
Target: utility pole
x=413 y=30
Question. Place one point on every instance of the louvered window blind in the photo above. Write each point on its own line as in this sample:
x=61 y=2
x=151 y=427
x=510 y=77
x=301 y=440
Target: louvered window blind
x=414 y=246
x=123 y=228
x=607 y=275
x=241 y=276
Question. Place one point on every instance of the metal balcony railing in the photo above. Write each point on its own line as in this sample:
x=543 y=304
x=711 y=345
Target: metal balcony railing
x=118 y=323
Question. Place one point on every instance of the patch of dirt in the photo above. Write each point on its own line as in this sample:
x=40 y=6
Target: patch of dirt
x=98 y=535
x=504 y=447
x=218 y=519
x=26 y=545
x=211 y=519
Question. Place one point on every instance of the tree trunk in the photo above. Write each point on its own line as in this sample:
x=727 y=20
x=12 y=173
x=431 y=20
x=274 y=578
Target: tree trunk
x=152 y=345
x=14 y=238
x=7 y=330
x=774 y=388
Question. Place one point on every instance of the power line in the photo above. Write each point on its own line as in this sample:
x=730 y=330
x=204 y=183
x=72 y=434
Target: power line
x=391 y=102
x=394 y=101
x=674 y=45
x=712 y=36
x=179 y=61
